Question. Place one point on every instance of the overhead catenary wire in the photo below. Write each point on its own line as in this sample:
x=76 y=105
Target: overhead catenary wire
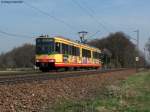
x=44 y=13
x=91 y=36
x=51 y=16
x=94 y=13
x=14 y=35
x=90 y=14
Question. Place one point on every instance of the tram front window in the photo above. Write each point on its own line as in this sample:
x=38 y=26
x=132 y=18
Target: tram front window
x=44 y=46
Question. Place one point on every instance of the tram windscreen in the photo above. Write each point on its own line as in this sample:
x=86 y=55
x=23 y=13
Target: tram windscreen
x=44 y=45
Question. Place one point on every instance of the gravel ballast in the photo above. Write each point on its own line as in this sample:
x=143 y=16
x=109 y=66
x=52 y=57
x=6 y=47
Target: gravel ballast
x=38 y=96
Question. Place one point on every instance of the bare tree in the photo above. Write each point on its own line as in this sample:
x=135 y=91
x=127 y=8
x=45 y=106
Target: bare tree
x=122 y=49
x=18 y=57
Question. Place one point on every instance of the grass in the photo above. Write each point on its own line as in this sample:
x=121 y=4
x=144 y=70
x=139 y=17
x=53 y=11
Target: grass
x=131 y=95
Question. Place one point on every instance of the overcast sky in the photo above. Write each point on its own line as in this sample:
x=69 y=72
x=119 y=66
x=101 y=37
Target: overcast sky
x=66 y=17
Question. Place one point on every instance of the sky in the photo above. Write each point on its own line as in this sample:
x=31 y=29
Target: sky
x=66 y=18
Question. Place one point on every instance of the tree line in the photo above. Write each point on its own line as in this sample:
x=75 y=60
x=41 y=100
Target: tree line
x=117 y=48
x=20 y=57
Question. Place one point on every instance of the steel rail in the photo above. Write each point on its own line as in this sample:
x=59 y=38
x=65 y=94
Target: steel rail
x=51 y=76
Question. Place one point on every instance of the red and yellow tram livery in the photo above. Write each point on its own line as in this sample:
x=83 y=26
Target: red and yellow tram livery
x=59 y=52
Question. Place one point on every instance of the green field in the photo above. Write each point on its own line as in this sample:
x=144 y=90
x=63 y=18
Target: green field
x=131 y=95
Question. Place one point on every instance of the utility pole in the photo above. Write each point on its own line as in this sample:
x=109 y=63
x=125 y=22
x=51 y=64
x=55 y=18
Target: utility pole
x=138 y=36
x=144 y=57
x=137 y=57
x=82 y=35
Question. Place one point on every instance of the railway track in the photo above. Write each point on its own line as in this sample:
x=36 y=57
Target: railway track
x=39 y=76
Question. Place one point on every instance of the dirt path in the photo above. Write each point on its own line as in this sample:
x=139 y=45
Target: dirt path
x=37 y=96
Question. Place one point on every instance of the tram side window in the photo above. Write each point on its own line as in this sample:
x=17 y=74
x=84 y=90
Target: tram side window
x=64 y=49
x=83 y=53
x=73 y=51
x=96 y=55
x=93 y=54
x=86 y=53
x=69 y=49
x=57 y=47
x=77 y=51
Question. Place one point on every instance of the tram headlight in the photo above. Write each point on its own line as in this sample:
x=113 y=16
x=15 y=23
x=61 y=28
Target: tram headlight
x=51 y=60
x=37 y=60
